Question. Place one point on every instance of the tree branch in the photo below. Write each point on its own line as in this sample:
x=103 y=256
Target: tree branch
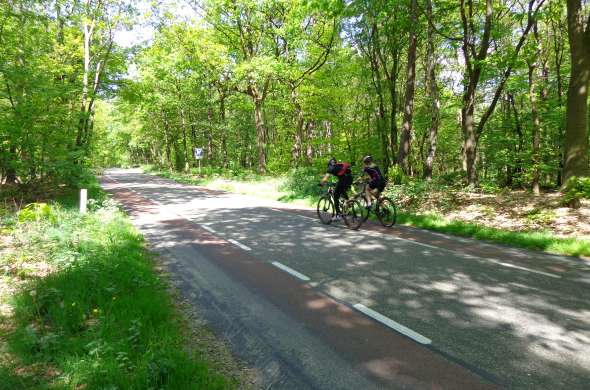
x=532 y=15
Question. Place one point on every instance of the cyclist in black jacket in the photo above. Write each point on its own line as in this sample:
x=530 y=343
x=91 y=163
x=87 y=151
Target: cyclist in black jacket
x=342 y=171
x=376 y=180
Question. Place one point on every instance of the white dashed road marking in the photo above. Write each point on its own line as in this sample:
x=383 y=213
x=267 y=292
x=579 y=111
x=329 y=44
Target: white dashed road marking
x=522 y=268
x=392 y=324
x=244 y=247
x=291 y=271
x=210 y=230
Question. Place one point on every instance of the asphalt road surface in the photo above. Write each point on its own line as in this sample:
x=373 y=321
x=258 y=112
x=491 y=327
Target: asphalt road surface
x=323 y=307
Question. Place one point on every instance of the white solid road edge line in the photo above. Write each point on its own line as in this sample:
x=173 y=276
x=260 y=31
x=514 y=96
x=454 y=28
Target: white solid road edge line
x=509 y=265
x=244 y=247
x=295 y=214
x=291 y=271
x=210 y=230
x=392 y=324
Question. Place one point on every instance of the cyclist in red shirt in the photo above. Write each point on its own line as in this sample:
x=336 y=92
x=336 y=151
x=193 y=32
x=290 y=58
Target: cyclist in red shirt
x=342 y=171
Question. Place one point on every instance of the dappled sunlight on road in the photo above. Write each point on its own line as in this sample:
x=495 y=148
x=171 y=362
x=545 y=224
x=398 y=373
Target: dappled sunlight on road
x=523 y=326
x=388 y=368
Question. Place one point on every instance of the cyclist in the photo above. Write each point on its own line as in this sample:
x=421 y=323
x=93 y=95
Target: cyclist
x=342 y=171
x=376 y=180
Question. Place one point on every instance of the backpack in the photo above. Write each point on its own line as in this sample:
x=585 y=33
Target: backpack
x=377 y=175
x=344 y=169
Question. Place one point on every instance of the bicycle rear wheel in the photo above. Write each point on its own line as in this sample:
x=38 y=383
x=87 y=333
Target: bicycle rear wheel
x=353 y=214
x=326 y=210
x=386 y=212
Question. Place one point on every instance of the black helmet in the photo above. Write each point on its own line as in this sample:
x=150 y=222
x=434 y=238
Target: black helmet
x=368 y=159
x=332 y=162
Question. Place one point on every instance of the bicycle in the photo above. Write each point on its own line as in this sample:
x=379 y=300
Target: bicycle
x=384 y=208
x=351 y=209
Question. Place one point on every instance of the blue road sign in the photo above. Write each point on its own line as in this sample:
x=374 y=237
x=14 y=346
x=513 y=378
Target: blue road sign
x=198 y=153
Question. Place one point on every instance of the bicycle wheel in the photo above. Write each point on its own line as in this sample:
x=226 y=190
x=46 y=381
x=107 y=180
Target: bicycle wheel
x=326 y=210
x=386 y=212
x=366 y=211
x=352 y=213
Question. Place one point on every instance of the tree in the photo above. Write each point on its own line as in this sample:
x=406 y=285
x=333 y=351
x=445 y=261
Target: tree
x=576 y=132
x=434 y=94
x=476 y=49
x=406 y=134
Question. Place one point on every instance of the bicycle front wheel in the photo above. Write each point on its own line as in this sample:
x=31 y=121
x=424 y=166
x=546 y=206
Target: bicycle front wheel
x=386 y=212
x=326 y=210
x=353 y=214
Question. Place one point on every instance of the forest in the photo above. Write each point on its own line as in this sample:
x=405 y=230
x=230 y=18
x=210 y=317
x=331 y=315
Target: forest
x=477 y=92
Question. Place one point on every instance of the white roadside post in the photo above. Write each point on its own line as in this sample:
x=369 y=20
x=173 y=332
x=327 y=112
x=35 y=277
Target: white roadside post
x=83 y=200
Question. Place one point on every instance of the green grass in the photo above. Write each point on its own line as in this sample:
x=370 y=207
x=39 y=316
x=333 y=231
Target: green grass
x=544 y=241
x=301 y=187
x=103 y=319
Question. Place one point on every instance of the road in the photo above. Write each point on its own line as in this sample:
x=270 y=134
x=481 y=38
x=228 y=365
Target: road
x=323 y=307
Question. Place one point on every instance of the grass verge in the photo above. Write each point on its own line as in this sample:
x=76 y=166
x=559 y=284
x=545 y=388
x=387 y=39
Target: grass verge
x=81 y=307
x=544 y=241
x=303 y=192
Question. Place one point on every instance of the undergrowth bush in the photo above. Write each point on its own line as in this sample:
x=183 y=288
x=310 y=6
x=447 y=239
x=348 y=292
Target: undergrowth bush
x=100 y=318
x=541 y=216
x=35 y=212
x=302 y=182
x=576 y=189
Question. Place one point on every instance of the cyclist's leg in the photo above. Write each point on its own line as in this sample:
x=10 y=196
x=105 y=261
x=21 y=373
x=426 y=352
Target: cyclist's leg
x=372 y=190
x=380 y=189
x=347 y=184
x=368 y=195
x=344 y=184
x=338 y=191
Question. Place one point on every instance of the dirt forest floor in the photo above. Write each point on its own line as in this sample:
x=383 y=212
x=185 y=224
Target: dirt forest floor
x=514 y=211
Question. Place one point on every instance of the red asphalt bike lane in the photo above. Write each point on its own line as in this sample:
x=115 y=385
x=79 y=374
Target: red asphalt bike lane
x=376 y=351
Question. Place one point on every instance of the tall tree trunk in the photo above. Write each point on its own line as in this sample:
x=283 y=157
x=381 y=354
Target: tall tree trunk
x=299 y=122
x=88 y=27
x=374 y=53
x=406 y=135
x=558 y=50
x=309 y=130
x=393 y=97
x=576 y=132
x=210 y=135
x=536 y=128
x=209 y=148
x=224 y=129
x=434 y=96
x=184 y=139
x=329 y=136
x=532 y=67
x=193 y=134
x=260 y=135
x=470 y=144
x=518 y=169
x=167 y=140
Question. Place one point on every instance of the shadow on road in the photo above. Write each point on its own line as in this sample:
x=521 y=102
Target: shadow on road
x=528 y=330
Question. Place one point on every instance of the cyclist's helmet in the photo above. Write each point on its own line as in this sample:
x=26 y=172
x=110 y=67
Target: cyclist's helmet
x=332 y=162
x=368 y=159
